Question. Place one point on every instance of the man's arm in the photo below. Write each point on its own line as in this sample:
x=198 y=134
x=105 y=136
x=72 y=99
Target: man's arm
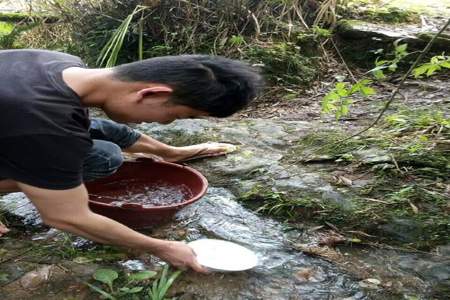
x=148 y=145
x=68 y=210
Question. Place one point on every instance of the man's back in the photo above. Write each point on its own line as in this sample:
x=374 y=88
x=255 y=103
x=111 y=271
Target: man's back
x=43 y=126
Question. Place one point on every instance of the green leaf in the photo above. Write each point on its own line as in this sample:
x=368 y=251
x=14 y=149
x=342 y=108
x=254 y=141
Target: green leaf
x=132 y=290
x=136 y=289
x=432 y=69
x=392 y=67
x=367 y=91
x=140 y=276
x=446 y=64
x=401 y=48
x=4 y=277
x=328 y=100
x=381 y=63
x=106 y=276
x=420 y=70
x=169 y=283
x=153 y=292
x=106 y=295
x=340 y=86
x=379 y=75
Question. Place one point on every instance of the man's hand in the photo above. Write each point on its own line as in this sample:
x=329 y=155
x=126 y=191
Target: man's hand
x=149 y=147
x=3 y=229
x=180 y=154
x=179 y=255
x=68 y=210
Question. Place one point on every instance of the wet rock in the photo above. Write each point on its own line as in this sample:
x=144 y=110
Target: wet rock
x=404 y=230
x=218 y=215
x=32 y=280
x=370 y=283
x=19 y=206
x=133 y=265
x=443 y=250
x=372 y=156
x=309 y=275
x=411 y=34
x=439 y=272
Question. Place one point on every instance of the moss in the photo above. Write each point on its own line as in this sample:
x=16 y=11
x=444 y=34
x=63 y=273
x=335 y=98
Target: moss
x=412 y=188
x=6 y=28
x=432 y=221
x=325 y=143
x=13 y=16
x=310 y=41
x=284 y=63
x=180 y=138
x=10 y=40
x=391 y=15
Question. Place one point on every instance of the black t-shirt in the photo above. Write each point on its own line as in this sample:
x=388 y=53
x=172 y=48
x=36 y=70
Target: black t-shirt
x=44 y=129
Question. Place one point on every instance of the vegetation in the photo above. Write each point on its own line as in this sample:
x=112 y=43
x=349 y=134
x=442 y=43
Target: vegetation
x=134 y=284
x=394 y=178
x=407 y=164
x=283 y=37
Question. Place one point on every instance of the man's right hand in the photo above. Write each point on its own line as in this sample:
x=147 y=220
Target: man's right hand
x=68 y=210
x=179 y=255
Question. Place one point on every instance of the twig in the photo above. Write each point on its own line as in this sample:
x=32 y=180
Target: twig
x=394 y=93
x=376 y=200
x=396 y=164
x=343 y=60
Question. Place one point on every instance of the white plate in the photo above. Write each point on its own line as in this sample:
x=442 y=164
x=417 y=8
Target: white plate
x=220 y=255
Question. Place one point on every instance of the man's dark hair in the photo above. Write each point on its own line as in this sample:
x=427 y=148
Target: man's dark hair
x=213 y=84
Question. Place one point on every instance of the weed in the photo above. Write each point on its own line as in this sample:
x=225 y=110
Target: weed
x=436 y=64
x=391 y=65
x=129 y=287
x=161 y=286
x=338 y=99
x=283 y=63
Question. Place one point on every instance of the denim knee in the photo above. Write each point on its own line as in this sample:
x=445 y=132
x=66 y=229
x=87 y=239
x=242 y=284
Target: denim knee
x=111 y=131
x=103 y=160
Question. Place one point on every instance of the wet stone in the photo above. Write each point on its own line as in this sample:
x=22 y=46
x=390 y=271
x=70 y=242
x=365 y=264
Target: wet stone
x=218 y=215
x=19 y=206
x=404 y=230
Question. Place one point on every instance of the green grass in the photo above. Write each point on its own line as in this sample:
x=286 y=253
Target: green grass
x=6 y=28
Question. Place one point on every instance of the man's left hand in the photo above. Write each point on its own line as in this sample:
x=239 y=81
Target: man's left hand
x=192 y=152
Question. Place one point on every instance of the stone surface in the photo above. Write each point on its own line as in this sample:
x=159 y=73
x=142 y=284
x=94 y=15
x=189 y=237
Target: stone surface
x=263 y=159
x=411 y=34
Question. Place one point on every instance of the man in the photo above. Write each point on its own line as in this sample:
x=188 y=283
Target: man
x=48 y=147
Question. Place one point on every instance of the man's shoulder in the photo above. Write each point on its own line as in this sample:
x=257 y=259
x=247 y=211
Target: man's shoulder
x=37 y=53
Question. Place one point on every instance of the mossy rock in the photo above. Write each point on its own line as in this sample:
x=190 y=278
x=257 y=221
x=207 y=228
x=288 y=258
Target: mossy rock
x=13 y=16
x=17 y=17
x=360 y=41
x=284 y=62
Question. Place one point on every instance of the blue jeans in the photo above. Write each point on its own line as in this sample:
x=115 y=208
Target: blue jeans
x=105 y=157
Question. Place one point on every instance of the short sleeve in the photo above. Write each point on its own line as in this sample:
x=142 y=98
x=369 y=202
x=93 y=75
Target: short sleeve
x=45 y=161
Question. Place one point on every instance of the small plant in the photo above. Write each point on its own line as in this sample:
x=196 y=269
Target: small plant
x=283 y=63
x=417 y=119
x=436 y=63
x=338 y=99
x=109 y=54
x=390 y=65
x=236 y=40
x=108 y=276
x=161 y=286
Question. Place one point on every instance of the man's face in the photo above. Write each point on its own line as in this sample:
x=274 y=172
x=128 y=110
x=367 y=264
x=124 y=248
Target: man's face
x=152 y=110
x=172 y=112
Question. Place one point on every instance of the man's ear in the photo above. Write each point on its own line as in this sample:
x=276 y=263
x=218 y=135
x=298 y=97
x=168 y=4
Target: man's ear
x=160 y=89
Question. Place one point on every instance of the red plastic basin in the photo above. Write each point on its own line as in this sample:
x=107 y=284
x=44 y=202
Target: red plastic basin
x=143 y=172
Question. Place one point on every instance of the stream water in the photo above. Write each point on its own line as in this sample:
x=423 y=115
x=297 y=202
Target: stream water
x=283 y=272
x=157 y=194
